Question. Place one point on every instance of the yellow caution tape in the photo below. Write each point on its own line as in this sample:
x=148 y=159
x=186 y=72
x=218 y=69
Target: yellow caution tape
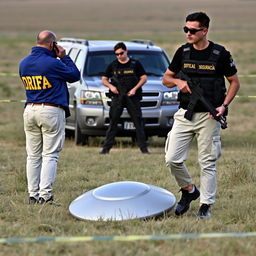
x=9 y=74
x=128 y=238
x=103 y=98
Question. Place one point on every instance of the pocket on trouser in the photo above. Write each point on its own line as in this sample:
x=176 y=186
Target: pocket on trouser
x=61 y=143
x=50 y=121
x=28 y=121
x=178 y=113
x=62 y=124
x=167 y=142
x=53 y=129
x=216 y=147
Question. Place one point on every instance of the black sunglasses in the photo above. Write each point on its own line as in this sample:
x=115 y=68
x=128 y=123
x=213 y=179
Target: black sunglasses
x=192 y=31
x=121 y=53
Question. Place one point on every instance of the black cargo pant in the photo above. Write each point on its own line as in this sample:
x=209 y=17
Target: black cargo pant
x=133 y=107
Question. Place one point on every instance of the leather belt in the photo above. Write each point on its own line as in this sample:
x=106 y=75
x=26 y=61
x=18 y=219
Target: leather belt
x=45 y=104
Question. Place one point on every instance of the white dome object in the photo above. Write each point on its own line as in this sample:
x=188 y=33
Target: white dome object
x=121 y=201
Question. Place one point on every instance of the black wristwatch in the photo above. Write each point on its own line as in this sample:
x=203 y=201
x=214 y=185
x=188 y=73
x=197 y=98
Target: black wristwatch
x=225 y=106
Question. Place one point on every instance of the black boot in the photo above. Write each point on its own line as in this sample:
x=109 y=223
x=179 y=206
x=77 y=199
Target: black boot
x=186 y=198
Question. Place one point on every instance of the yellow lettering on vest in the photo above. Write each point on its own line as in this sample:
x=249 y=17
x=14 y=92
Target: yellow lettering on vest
x=24 y=80
x=207 y=67
x=128 y=71
x=189 y=65
x=34 y=82
x=30 y=83
x=38 y=82
x=46 y=83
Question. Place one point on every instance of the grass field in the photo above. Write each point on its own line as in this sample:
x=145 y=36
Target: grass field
x=82 y=168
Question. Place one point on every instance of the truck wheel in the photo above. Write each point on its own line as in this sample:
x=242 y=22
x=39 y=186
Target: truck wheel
x=80 y=138
x=69 y=134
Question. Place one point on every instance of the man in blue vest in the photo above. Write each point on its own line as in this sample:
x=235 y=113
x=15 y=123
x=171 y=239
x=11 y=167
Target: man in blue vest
x=205 y=64
x=44 y=78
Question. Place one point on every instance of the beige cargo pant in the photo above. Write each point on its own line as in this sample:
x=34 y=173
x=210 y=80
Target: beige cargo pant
x=45 y=135
x=207 y=133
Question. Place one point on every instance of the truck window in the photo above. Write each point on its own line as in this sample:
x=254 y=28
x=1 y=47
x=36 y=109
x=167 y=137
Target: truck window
x=154 y=62
x=73 y=53
x=79 y=60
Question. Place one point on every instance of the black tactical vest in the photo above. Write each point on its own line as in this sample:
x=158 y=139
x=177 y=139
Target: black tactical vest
x=125 y=78
x=204 y=71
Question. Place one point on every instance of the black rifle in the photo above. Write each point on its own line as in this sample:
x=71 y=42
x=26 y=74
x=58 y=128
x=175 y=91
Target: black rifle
x=121 y=89
x=197 y=94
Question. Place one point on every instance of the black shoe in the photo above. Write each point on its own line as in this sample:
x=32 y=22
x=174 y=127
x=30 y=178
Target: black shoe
x=41 y=200
x=204 y=211
x=104 y=151
x=186 y=198
x=144 y=151
x=32 y=200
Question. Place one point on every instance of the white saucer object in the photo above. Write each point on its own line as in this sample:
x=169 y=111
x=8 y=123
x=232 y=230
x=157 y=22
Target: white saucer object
x=122 y=201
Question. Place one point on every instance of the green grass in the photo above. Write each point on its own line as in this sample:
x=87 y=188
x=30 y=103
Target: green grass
x=81 y=168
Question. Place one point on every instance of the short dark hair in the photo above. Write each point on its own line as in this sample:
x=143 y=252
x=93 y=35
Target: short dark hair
x=120 y=45
x=201 y=17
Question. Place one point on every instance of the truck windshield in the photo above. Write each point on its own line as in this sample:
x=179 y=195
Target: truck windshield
x=155 y=63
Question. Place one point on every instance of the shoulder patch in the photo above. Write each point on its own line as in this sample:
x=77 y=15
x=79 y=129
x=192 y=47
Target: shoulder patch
x=215 y=51
x=232 y=62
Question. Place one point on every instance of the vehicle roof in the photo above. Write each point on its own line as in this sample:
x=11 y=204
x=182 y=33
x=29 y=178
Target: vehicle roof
x=101 y=45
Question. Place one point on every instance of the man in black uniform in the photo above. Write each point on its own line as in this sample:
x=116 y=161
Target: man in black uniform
x=205 y=64
x=127 y=76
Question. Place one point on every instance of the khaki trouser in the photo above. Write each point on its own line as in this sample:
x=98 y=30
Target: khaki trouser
x=45 y=135
x=207 y=133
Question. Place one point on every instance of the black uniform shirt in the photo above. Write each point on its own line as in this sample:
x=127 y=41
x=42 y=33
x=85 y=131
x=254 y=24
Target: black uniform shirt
x=139 y=70
x=225 y=65
x=126 y=75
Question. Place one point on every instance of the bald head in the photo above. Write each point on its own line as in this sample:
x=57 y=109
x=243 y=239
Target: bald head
x=44 y=38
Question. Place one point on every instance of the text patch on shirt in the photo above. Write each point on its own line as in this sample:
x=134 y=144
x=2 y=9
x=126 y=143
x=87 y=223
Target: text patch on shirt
x=36 y=82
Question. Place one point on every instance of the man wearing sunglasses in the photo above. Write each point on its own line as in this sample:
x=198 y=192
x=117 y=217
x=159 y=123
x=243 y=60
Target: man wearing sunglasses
x=127 y=76
x=205 y=63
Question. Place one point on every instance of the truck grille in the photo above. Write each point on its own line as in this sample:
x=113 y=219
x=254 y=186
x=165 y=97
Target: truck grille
x=149 y=100
x=148 y=104
x=147 y=121
x=150 y=94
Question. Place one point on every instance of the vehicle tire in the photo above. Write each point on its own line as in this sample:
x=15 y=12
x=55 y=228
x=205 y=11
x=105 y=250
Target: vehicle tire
x=80 y=138
x=69 y=134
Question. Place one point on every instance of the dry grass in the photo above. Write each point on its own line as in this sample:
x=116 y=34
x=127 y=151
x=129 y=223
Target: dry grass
x=81 y=168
